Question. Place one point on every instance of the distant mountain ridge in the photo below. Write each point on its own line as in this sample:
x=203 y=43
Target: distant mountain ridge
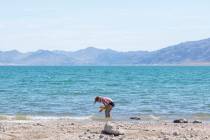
x=193 y=52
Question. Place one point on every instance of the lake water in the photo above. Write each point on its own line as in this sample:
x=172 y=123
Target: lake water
x=165 y=92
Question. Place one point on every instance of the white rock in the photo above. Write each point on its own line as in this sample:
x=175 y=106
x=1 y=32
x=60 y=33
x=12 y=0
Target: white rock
x=111 y=129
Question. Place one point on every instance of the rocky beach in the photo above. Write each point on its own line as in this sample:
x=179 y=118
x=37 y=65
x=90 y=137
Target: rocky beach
x=69 y=129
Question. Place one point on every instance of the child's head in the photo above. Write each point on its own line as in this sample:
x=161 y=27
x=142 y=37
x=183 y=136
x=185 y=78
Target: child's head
x=97 y=99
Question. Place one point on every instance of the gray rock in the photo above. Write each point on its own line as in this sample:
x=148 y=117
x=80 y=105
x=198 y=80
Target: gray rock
x=111 y=129
x=196 y=121
x=135 y=118
x=180 y=121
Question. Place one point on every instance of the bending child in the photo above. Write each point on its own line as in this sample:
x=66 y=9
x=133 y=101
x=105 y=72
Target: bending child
x=108 y=105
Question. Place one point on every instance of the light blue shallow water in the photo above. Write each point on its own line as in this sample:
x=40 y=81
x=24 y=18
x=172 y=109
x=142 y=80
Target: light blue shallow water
x=69 y=91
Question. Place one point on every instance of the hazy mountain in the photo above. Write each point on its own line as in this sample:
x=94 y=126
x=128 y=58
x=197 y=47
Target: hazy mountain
x=194 y=52
x=183 y=53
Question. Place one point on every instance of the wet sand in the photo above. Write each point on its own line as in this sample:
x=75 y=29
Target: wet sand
x=68 y=129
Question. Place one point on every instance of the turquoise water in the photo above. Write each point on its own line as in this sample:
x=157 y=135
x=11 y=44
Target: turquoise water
x=168 y=92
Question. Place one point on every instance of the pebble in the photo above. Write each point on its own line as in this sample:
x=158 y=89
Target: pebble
x=106 y=138
x=162 y=132
x=101 y=136
x=94 y=132
x=175 y=134
x=39 y=124
x=165 y=138
x=120 y=138
x=185 y=137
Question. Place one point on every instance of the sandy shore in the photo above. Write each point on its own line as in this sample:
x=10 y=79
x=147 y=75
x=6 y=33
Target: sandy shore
x=68 y=129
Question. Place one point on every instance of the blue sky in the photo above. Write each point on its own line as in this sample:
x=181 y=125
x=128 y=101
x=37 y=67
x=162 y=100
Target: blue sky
x=124 y=25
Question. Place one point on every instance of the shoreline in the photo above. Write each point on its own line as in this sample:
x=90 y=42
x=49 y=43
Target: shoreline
x=99 y=117
x=142 y=118
x=65 y=129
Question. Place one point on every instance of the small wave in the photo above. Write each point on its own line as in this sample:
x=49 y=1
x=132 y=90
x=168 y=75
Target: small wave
x=29 y=117
x=150 y=117
x=81 y=118
x=201 y=116
x=59 y=117
x=99 y=118
x=3 y=117
x=14 y=117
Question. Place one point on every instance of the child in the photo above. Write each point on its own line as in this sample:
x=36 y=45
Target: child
x=108 y=105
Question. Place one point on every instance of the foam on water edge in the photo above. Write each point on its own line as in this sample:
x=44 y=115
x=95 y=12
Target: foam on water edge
x=144 y=118
x=28 y=117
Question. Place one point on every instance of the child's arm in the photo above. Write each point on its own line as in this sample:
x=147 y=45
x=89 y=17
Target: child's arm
x=102 y=108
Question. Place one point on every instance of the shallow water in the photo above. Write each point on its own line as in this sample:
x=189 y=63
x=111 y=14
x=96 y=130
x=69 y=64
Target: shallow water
x=161 y=92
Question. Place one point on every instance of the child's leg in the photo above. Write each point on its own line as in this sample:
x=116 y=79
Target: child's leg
x=107 y=111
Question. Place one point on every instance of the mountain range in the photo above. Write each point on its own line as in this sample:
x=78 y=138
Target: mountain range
x=187 y=53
